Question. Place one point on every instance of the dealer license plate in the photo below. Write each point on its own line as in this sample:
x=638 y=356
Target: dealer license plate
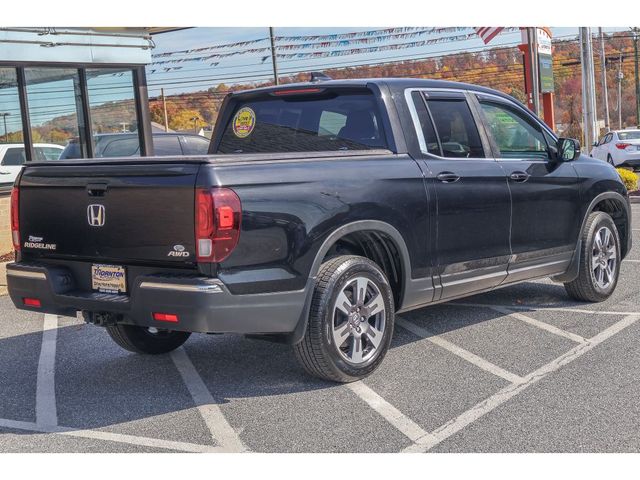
x=108 y=278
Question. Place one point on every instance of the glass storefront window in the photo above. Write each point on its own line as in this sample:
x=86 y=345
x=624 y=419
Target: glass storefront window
x=55 y=109
x=114 y=122
x=12 y=152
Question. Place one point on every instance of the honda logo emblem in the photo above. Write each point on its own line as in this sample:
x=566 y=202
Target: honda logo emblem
x=96 y=215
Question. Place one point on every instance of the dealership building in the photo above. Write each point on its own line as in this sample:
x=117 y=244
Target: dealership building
x=63 y=86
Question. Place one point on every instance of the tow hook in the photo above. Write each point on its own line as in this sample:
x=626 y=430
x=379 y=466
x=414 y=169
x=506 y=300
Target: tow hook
x=101 y=319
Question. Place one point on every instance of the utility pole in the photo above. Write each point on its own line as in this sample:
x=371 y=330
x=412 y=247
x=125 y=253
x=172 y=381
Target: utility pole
x=532 y=37
x=620 y=77
x=164 y=109
x=636 y=30
x=605 y=92
x=588 y=88
x=6 y=134
x=273 y=56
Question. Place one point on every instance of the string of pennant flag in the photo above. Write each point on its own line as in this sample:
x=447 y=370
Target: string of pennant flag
x=360 y=36
x=330 y=41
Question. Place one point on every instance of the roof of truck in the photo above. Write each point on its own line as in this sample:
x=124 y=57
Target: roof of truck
x=393 y=83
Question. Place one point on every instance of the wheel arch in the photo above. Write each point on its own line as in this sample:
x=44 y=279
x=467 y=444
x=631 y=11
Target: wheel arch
x=617 y=206
x=387 y=245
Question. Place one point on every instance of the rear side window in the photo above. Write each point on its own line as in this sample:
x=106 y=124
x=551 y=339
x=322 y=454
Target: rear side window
x=14 y=156
x=426 y=125
x=456 y=128
x=47 y=153
x=326 y=121
x=195 y=145
x=122 y=147
x=166 y=145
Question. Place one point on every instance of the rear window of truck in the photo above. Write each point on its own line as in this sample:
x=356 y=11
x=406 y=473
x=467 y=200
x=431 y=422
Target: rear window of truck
x=325 y=121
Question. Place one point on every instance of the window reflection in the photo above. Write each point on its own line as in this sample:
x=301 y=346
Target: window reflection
x=55 y=108
x=114 y=121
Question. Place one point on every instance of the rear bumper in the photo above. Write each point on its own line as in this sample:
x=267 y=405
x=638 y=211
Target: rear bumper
x=202 y=304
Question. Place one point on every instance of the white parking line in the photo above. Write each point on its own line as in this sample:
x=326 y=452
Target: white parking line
x=541 y=325
x=530 y=308
x=219 y=428
x=391 y=414
x=109 y=436
x=460 y=352
x=46 y=410
x=474 y=413
x=630 y=260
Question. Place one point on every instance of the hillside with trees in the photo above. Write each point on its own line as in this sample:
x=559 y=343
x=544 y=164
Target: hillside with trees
x=500 y=68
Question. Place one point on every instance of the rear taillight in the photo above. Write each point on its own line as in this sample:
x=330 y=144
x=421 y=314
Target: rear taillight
x=32 y=302
x=165 y=317
x=217 y=218
x=15 y=218
x=622 y=146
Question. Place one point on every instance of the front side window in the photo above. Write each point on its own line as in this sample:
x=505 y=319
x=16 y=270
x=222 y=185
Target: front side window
x=515 y=136
x=456 y=128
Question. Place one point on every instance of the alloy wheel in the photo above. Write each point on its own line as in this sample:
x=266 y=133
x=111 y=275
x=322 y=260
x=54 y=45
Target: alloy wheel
x=359 y=320
x=604 y=260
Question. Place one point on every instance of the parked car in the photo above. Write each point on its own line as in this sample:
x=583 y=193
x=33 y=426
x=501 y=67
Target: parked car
x=128 y=145
x=322 y=210
x=12 y=157
x=620 y=148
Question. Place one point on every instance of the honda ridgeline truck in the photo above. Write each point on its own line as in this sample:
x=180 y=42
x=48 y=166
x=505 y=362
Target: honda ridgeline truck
x=321 y=210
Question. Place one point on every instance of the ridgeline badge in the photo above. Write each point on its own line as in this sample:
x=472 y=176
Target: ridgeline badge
x=244 y=122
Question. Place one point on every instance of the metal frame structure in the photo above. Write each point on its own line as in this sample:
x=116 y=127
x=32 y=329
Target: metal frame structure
x=141 y=99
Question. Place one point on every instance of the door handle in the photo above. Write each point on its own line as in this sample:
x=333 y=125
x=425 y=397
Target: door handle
x=519 y=176
x=4 y=172
x=448 y=177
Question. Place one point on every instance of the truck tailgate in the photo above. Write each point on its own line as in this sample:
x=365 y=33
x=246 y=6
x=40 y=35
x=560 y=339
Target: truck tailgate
x=135 y=213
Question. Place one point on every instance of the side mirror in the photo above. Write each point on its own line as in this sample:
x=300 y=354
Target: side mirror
x=595 y=144
x=568 y=149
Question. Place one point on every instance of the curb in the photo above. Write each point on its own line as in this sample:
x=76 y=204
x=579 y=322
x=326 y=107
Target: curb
x=634 y=198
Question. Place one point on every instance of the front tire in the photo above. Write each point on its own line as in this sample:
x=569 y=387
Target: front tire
x=600 y=258
x=146 y=340
x=350 y=323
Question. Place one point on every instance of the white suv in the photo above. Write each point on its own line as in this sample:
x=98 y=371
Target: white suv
x=12 y=157
x=619 y=148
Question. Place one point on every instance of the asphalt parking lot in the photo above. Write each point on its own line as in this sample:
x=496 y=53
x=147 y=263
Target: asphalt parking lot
x=521 y=369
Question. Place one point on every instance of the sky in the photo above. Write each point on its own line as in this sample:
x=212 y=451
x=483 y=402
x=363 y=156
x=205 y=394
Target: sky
x=197 y=76
x=194 y=76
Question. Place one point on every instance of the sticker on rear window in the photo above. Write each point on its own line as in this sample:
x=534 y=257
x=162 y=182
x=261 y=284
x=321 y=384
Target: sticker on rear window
x=243 y=122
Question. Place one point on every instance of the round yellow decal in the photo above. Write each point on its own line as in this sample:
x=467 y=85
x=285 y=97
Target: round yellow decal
x=244 y=122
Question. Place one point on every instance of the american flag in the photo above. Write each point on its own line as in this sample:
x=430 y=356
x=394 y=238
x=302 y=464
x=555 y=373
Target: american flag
x=487 y=33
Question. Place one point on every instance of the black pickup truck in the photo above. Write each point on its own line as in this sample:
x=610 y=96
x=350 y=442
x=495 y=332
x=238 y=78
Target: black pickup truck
x=321 y=210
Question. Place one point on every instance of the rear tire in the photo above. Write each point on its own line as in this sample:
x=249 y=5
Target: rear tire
x=599 y=267
x=144 y=340
x=350 y=323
